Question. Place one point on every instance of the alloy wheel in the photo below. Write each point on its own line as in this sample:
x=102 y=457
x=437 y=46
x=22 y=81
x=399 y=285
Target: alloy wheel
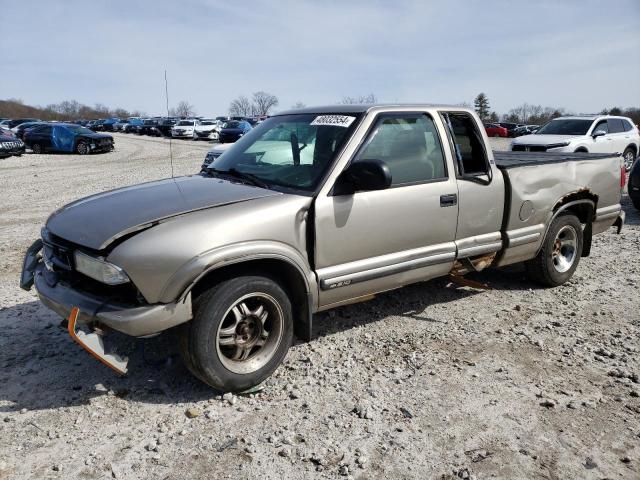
x=250 y=333
x=564 y=248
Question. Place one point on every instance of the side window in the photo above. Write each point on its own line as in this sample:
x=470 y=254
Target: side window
x=409 y=145
x=45 y=130
x=615 y=125
x=468 y=144
x=602 y=126
x=628 y=126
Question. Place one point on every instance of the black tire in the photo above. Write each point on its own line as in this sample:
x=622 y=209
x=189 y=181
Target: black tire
x=629 y=157
x=82 y=148
x=36 y=148
x=543 y=269
x=200 y=340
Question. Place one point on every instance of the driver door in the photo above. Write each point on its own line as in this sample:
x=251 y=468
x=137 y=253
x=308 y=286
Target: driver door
x=371 y=241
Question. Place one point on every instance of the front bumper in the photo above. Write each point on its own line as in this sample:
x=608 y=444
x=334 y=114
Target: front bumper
x=136 y=321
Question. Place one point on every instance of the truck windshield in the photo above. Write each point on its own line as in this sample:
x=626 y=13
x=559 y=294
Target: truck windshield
x=290 y=151
x=565 y=127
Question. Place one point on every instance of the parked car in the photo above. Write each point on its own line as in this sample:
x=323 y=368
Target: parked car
x=7 y=133
x=12 y=124
x=149 y=127
x=214 y=153
x=165 y=125
x=98 y=125
x=233 y=130
x=20 y=129
x=207 y=129
x=495 y=130
x=510 y=126
x=598 y=134
x=107 y=125
x=120 y=125
x=66 y=137
x=313 y=209
x=132 y=125
x=184 y=128
x=634 y=185
x=9 y=144
x=525 y=130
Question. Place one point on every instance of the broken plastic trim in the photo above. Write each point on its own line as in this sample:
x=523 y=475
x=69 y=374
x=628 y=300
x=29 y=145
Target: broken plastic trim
x=92 y=343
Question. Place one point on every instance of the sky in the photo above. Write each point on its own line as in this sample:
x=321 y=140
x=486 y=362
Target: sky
x=582 y=55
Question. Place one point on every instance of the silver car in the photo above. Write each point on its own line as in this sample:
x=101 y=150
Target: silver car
x=312 y=209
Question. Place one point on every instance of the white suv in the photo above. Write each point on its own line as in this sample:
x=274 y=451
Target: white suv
x=596 y=134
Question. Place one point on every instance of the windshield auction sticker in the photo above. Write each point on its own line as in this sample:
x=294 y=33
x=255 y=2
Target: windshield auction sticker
x=333 y=120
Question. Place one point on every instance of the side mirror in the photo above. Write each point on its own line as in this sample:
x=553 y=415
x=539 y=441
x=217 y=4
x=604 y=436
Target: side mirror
x=363 y=175
x=598 y=133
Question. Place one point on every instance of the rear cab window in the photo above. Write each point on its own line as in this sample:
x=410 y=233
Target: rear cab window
x=467 y=144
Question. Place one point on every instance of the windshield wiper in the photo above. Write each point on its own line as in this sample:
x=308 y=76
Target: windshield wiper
x=248 y=177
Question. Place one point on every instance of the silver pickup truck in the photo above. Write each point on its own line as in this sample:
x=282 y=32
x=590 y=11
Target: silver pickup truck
x=312 y=209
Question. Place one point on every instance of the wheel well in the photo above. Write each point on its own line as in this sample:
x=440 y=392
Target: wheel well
x=282 y=272
x=633 y=147
x=584 y=210
x=583 y=205
x=581 y=150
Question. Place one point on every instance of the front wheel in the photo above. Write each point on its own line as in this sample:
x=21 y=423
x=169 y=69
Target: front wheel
x=240 y=333
x=82 y=148
x=560 y=253
x=36 y=148
x=629 y=156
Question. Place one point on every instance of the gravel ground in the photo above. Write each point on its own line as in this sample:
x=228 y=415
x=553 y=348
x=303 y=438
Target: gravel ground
x=430 y=381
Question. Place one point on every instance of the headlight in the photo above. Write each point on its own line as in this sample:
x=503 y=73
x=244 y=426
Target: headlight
x=558 y=145
x=100 y=270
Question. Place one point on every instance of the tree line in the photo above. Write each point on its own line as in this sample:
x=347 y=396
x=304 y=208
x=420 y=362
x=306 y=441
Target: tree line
x=66 y=110
x=537 y=114
x=262 y=103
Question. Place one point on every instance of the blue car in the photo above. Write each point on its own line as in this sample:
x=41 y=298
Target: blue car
x=66 y=137
x=233 y=130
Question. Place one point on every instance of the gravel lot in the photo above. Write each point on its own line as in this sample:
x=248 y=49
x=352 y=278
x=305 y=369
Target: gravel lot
x=431 y=381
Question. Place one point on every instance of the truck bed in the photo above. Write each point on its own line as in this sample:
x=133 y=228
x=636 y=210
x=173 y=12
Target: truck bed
x=505 y=160
x=534 y=184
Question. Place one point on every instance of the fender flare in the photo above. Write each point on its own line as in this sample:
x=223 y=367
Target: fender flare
x=187 y=276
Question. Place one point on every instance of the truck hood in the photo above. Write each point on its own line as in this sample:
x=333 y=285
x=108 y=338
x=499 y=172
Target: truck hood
x=98 y=220
x=543 y=139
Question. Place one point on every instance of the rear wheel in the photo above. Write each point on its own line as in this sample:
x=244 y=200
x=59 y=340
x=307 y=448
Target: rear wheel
x=629 y=156
x=241 y=331
x=36 y=148
x=82 y=148
x=560 y=253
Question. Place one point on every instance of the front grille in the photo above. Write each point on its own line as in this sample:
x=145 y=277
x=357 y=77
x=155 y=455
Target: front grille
x=529 y=148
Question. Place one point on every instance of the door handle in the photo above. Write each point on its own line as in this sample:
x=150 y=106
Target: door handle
x=448 y=200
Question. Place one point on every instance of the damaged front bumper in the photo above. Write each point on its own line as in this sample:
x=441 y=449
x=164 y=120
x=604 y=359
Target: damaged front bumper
x=82 y=308
x=136 y=321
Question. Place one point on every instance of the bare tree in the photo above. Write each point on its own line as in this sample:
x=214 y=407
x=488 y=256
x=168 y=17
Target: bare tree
x=263 y=102
x=240 y=107
x=121 y=113
x=182 y=109
x=359 y=100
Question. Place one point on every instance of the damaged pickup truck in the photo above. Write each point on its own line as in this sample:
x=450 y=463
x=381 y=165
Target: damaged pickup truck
x=312 y=209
